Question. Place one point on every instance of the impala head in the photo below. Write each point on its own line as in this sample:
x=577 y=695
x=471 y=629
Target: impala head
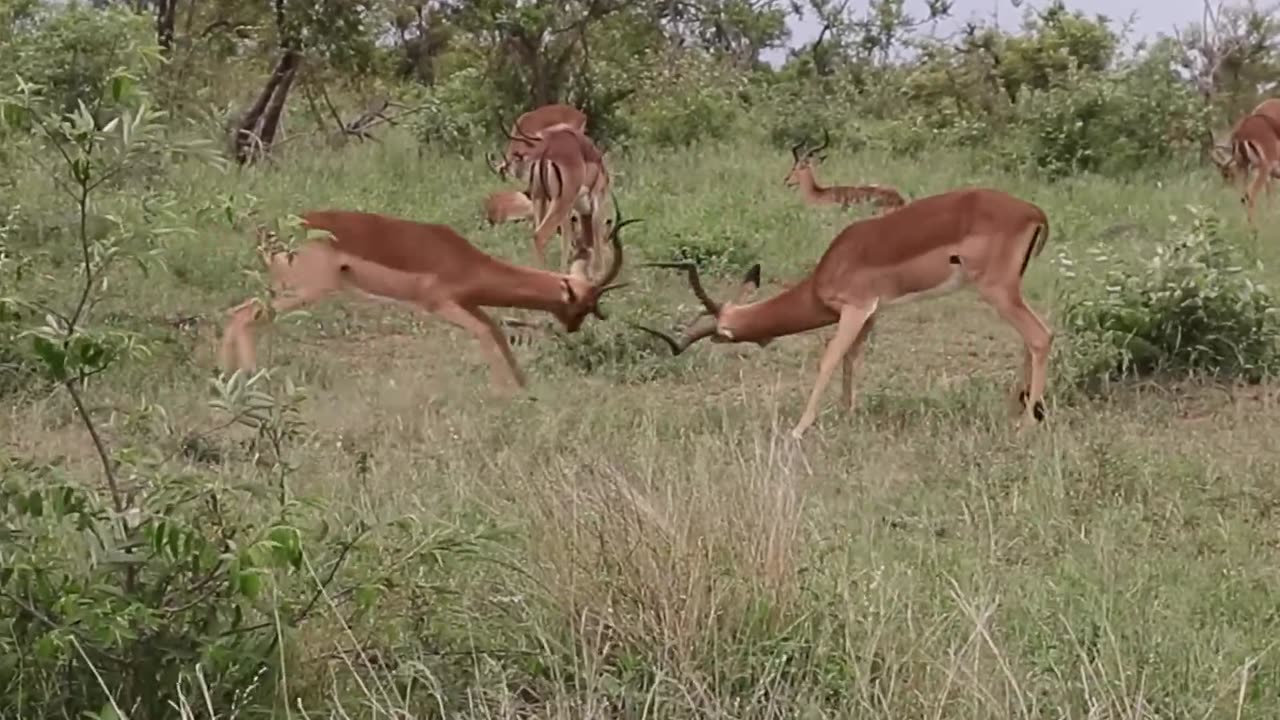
x=716 y=319
x=520 y=146
x=803 y=162
x=580 y=294
x=1223 y=157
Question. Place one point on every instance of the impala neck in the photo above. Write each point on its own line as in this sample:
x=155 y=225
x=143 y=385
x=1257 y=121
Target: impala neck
x=791 y=311
x=505 y=285
x=813 y=192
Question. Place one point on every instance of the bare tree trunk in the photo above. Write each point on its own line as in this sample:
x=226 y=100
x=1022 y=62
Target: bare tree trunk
x=166 y=16
x=257 y=127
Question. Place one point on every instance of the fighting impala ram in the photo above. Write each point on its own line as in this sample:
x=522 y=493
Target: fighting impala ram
x=802 y=174
x=928 y=248
x=566 y=173
x=428 y=266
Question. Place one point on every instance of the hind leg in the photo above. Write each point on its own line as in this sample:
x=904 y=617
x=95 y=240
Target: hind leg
x=852 y=362
x=1036 y=338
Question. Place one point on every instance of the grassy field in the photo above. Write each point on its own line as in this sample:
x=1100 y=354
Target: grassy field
x=646 y=540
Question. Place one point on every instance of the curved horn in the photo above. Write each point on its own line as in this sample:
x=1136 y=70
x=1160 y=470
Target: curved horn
x=704 y=326
x=826 y=141
x=615 y=241
x=694 y=282
x=492 y=161
x=795 y=151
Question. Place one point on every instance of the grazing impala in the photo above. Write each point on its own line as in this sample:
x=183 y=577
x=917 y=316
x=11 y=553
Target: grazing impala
x=802 y=175
x=929 y=247
x=428 y=266
x=507 y=206
x=1254 y=146
x=1222 y=155
x=531 y=125
x=566 y=172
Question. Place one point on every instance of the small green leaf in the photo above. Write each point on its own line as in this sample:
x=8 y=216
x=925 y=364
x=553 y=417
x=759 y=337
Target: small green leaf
x=120 y=87
x=54 y=357
x=249 y=583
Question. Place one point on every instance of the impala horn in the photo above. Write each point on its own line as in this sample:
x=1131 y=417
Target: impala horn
x=826 y=142
x=691 y=270
x=704 y=326
x=615 y=266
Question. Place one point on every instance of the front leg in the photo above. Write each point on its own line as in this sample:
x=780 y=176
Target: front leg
x=493 y=342
x=852 y=320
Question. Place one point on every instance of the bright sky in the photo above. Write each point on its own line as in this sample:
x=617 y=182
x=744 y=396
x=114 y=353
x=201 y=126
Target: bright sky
x=1151 y=16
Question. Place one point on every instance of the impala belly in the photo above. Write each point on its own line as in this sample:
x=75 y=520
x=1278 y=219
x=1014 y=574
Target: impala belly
x=382 y=284
x=953 y=278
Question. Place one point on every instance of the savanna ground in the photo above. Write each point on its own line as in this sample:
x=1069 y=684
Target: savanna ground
x=637 y=536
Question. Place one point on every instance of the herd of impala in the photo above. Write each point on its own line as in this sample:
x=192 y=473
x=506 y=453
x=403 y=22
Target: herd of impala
x=928 y=247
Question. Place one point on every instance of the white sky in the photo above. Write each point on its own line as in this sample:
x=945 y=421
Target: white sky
x=1150 y=16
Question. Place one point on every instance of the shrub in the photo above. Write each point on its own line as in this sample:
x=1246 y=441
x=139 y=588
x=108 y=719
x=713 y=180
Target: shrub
x=1113 y=124
x=684 y=100
x=1189 y=309
x=456 y=112
x=71 y=54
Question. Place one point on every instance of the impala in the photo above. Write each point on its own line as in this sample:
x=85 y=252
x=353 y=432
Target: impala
x=507 y=206
x=928 y=248
x=531 y=124
x=566 y=173
x=1255 y=146
x=428 y=266
x=802 y=175
x=1222 y=153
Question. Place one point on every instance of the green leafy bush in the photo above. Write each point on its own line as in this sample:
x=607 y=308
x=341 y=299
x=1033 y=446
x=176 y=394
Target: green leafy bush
x=71 y=54
x=1190 y=309
x=457 y=113
x=684 y=100
x=1112 y=124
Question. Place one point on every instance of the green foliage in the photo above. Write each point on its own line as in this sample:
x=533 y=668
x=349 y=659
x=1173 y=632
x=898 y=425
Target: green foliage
x=684 y=100
x=456 y=113
x=1055 y=44
x=800 y=113
x=1189 y=309
x=71 y=54
x=1114 y=124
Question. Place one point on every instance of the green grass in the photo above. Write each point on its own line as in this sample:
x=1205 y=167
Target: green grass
x=655 y=544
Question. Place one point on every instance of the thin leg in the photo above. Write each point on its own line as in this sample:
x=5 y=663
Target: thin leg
x=238 y=336
x=236 y=350
x=493 y=343
x=1036 y=337
x=568 y=240
x=852 y=319
x=557 y=214
x=853 y=361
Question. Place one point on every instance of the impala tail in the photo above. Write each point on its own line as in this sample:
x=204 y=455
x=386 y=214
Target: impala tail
x=1038 y=241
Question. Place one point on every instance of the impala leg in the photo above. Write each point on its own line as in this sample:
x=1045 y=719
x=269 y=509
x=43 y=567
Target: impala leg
x=852 y=362
x=504 y=371
x=1038 y=340
x=852 y=320
x=557 y=215
x=1251 y=196
x=237 y=337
